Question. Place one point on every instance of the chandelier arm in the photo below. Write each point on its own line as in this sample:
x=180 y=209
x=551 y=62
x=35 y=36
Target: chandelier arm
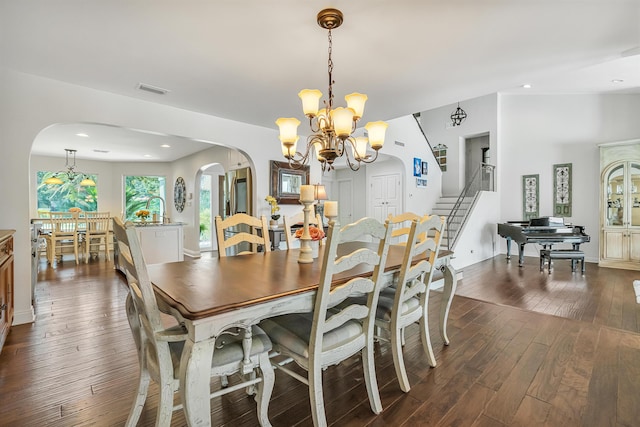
x=352 y=165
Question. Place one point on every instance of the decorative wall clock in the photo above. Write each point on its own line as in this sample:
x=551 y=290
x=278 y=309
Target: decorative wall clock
x=179 y=194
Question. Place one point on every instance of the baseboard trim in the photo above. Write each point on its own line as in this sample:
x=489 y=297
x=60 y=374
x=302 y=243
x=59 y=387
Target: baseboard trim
x=25 y=316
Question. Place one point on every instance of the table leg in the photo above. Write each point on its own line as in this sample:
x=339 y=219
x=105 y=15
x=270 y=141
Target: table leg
x=448 y=291
x=194 y=385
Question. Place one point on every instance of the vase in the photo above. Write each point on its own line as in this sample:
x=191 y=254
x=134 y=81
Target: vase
x=315 y=248
x=273 y=223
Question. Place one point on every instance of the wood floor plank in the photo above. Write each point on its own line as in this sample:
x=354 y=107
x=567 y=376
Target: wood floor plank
x=510 y=395
x=603 y=385
x=77 y=364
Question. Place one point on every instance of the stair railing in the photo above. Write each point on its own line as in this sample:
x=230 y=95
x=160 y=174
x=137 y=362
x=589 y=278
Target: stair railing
x=483 y=179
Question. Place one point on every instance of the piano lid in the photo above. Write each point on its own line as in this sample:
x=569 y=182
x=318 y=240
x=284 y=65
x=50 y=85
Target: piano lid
x=547 y=221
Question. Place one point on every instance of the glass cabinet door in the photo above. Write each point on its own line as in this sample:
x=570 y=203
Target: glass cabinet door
x=615 y=197
x=634 y=199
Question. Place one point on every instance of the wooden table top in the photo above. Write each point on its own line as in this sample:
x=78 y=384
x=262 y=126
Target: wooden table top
x=205 y=287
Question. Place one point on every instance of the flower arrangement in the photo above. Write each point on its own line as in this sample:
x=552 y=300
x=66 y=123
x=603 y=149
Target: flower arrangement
x=142 y=214
x=75 y=210
x=274 y=206
x=315 y=232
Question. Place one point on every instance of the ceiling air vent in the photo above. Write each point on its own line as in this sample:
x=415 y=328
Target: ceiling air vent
x=153 y=89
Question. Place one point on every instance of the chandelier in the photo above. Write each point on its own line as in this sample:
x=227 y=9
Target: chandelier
x=458 y=116
x=70 y=173
x=332 y=128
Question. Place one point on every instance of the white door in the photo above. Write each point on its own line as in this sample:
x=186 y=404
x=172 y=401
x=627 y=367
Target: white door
x=385 y=196
x=345 y=202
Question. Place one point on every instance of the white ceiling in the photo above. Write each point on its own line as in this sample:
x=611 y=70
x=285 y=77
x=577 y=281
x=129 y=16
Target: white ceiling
x=246 y=60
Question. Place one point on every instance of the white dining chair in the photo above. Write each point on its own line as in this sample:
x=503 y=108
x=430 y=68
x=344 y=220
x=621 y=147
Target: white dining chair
x=160 y=348
x=327 y=336
x=407 y=301
x=239 y=230
x=62 y=234
x=96 y=234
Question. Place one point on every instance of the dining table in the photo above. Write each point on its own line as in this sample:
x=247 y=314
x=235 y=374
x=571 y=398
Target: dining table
x=212 y=295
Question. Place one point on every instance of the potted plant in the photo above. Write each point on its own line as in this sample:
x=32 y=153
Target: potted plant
x=274 y=208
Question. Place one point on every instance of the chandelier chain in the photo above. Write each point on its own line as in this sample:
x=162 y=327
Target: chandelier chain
x=330 y=68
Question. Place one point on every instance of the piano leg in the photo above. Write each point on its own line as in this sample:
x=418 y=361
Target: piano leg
x=508 y=249
x=521 y=254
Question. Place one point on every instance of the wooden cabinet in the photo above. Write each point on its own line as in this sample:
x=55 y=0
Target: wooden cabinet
x=6 y=284
x=620 y=211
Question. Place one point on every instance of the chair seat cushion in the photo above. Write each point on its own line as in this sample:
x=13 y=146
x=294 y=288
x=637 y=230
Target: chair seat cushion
x=228 y=348
x=385 y=304
x=293 y=331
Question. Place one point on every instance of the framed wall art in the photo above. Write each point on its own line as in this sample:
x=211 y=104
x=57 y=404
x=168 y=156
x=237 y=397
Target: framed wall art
x=530 y=197
x=417 y=167
x=562 y=196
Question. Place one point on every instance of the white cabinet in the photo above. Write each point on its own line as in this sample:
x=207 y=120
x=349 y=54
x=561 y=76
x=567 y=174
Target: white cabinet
x=620 y=219
x=161 y=243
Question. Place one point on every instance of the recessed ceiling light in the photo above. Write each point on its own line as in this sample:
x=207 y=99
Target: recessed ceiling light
x=100 y=151
x=147 y=155
x=526 y=86
x=165 y=146
x=83 y=135
x=617 y=81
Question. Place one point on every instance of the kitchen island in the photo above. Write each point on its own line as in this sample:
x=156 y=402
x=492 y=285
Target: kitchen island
x=160 y=242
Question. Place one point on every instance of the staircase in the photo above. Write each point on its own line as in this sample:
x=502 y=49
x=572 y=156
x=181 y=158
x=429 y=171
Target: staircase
x=444 y=207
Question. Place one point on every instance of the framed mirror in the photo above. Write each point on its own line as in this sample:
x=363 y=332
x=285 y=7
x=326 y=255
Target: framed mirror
x=286 y=182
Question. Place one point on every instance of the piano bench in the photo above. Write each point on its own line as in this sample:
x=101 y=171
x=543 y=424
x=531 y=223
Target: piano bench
x=546 y=255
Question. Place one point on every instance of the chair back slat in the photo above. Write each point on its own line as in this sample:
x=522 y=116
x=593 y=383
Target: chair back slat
x=131 y=258
x=257 y=236
x=415 y=279
x=328 y=297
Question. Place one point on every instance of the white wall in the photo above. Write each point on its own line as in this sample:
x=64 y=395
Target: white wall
x=29 y=104
x=482 y=118
x=538 y=131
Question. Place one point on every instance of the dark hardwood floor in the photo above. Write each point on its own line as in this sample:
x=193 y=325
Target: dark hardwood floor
x=527 y=348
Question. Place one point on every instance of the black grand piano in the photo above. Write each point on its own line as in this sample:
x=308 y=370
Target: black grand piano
x=546 y=231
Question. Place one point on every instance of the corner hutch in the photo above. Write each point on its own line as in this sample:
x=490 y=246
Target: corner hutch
x=620 y=205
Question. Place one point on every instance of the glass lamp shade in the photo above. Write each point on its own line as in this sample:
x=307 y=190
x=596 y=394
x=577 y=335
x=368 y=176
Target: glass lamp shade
x=288 y=129
x=310 y=100
x=342 y=121
x=356 y=102
x=54 y=180
x=376 y=131
x=289 y=149
x=88 y=182
x=360 y=148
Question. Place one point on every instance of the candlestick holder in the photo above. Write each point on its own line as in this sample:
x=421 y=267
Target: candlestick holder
x=305 y=240
x=332 y=218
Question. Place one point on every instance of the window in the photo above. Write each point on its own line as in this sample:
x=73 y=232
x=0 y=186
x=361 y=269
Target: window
x=138 y=189
x=69 y=194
